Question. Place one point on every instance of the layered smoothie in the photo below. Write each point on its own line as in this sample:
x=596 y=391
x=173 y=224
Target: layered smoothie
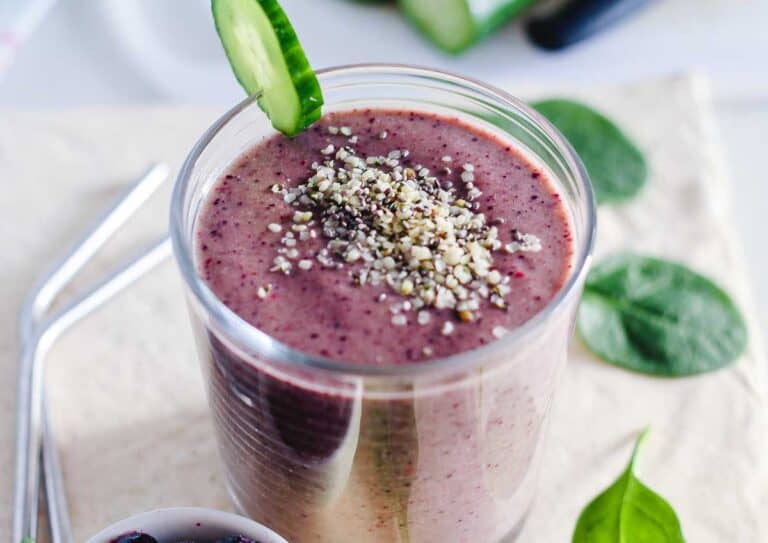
x=385 y=238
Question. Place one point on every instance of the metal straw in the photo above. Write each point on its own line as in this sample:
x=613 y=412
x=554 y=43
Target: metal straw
x=50 y=331
x=55 y=495
x=38 y=334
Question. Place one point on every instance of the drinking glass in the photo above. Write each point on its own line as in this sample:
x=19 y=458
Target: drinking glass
x=326 y=451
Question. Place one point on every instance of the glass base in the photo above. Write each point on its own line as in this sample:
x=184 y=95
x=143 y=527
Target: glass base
x=511 y=537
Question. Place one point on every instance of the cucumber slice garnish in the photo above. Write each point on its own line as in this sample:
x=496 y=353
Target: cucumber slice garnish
x=454 y=25
x=268 y=61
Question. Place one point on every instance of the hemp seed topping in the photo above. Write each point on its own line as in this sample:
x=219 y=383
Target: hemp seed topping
x=523 y=242
x=264 y=291
x=399 y=226
x=499 y=332
x=400 y=320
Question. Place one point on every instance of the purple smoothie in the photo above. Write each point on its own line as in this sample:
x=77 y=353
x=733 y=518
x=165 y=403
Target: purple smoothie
x=325 y=460
x=320 y=311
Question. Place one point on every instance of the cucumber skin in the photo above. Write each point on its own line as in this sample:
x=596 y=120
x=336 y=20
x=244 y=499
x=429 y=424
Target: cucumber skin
x=302 y=75
x=482 y=27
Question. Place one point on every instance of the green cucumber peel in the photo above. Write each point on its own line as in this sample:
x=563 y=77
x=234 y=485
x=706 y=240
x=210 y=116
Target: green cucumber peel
x=269 y=62
x=456 y=25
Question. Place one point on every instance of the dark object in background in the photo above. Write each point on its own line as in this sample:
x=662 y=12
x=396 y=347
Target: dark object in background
x=577 y=20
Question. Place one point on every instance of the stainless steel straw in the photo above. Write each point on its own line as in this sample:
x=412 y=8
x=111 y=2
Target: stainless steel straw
x=39 y=331
x=50 y=330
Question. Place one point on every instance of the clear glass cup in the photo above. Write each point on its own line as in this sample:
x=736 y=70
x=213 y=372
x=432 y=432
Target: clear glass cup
x=326 y=451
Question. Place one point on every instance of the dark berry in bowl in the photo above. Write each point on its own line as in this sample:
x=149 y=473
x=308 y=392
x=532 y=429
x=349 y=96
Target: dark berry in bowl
x=141 y=537
x=135 y=537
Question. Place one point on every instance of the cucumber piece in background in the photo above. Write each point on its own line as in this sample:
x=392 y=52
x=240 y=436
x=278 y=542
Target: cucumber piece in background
x=454 y=25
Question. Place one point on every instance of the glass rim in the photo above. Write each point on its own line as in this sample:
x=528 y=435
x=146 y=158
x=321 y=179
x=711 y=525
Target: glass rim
x=260 y=343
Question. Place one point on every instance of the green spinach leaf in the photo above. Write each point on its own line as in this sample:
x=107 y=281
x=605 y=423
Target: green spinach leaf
x=628 y=512
x=615 y=165
x=658 y=317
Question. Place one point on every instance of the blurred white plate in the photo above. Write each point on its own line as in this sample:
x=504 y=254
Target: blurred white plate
x=172 y=44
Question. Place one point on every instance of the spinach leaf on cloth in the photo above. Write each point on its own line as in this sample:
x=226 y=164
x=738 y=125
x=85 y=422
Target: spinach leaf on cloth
x=658 y=317
x=615 y=165
x=628 y=512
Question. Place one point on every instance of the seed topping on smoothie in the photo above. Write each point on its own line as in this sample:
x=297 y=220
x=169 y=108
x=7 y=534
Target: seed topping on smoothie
x=398 y=225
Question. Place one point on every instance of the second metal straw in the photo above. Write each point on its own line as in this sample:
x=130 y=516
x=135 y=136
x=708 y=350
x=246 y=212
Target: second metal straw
x=37 y=333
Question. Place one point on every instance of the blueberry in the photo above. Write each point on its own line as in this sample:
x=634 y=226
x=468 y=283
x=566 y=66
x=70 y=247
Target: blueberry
x=237 y=539
x=135 y=537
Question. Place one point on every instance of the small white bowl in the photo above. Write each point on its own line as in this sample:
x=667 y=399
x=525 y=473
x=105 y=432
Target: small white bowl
x=196 y=524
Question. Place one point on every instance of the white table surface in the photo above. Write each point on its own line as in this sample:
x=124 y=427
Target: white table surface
x=121 y=53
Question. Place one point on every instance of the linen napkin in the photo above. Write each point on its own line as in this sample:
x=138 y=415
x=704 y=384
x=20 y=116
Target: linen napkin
x=126 y=393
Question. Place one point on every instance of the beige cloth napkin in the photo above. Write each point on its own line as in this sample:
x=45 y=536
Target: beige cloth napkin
x=128 y=402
